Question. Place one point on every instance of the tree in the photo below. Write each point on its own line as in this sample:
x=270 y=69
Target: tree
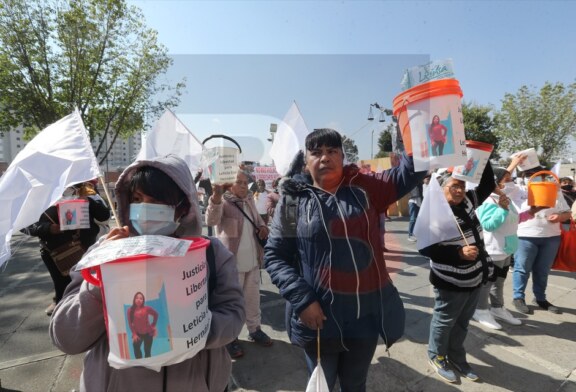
x=96 y=55
x=544 y=120
x=479 y=126
x=385 y=142
x=350 y=149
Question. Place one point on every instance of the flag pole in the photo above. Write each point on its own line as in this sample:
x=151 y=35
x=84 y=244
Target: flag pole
x=460 y=229
x=110 y=204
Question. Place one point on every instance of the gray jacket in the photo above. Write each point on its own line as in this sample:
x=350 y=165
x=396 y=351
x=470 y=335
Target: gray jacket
x=77 y=324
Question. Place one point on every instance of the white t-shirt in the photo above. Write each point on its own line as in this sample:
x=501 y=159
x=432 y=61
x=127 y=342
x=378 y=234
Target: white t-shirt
x=539 y=226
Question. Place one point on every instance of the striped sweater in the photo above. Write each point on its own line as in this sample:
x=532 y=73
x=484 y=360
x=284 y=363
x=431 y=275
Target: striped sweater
x=447 y=270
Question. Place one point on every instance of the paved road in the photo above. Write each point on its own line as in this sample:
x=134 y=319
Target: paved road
x=538 y=356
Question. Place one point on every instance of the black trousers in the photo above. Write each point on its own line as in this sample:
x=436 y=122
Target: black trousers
x=60 y=281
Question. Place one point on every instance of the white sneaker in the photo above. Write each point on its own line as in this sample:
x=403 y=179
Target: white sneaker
x=504 y=315
x=484 y=317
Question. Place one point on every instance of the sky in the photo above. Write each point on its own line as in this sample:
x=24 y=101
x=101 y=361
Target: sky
x=245 y=62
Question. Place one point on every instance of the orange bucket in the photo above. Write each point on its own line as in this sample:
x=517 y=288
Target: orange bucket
x=435 y=88
x=543 y=193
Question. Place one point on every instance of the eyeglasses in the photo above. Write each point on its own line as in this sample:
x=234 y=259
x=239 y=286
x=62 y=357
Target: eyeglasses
x=241 y=183
x=456 y=187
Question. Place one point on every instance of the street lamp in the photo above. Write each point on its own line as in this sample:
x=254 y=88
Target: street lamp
x=273 y=129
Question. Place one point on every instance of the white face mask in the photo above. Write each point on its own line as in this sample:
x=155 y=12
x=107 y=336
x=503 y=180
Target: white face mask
x=153 y=218
x=509 y=188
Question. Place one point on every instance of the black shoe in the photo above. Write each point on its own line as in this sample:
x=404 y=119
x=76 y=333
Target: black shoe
x=547 y=306
x=521 y=306
x=234 y=349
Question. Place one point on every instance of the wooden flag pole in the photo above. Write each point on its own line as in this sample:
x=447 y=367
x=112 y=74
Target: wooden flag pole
x=110 y=204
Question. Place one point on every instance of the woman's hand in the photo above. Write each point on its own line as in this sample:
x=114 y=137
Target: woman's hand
x=263 y=232
x=118 y=233
x=135 y=338
x=557 y=218
x=54 y=228
x=503 y=201
x=217 y=192
x=469 y=252
x=313 y=316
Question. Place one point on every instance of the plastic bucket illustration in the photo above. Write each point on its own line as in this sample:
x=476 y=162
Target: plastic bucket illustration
x=171 y=321
x=422 y=92
x=531 y=160
x=225 y=167
x=543 y=193
x=478 y=154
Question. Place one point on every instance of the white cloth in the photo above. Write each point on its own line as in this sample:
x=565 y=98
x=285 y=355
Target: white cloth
x=261 y=199
x=539 y=226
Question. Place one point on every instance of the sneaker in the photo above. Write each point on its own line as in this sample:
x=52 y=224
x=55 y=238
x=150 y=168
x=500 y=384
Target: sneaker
x=234 y=349
x=546 y=306
x=521 y=306
x=465 y=370
x=440 y=364
x=411 y=238
x=50 y=309
x=504 y=315
x=260 y=337
x=484 y=317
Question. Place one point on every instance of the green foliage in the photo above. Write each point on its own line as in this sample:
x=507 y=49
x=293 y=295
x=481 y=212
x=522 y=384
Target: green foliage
x=96 y=55
x=544 y=120
x=385 y=142
x=479 y=126
x=350 y=149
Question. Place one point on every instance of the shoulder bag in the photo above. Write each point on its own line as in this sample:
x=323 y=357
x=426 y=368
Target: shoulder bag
x=67 y=255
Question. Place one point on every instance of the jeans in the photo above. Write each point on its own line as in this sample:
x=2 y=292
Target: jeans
x=413 y=209
x=494 y=290
x=147 y=340
x=438 y=149
x=449 y=326
x=534 y=255
x=350 y=367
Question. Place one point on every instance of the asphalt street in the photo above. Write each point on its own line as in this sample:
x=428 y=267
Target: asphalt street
x=539 y=355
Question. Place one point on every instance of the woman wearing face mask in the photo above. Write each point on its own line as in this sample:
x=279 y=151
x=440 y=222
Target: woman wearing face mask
x=154 y=196
x=499 y=219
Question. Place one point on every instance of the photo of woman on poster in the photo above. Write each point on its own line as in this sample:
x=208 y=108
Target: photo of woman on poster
x=437 y=133
x=142 y=330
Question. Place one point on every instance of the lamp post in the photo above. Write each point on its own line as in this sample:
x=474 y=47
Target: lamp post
x=383 y=112
x=273 y=129
x=372 y=147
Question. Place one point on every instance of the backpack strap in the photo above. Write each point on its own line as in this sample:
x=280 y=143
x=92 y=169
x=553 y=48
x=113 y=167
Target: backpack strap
x=291 y=213
x=211 y=260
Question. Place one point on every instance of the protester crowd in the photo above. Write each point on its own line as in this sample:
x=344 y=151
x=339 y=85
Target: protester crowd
x=316 y=233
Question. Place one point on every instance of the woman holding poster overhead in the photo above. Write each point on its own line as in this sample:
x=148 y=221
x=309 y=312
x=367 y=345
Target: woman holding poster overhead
x=155 y=196
x=458 y=267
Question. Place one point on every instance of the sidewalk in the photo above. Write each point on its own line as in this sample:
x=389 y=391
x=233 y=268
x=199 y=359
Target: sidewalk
x=539 y=355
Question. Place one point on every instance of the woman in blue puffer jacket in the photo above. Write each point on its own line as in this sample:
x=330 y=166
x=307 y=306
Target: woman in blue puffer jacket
x=325 y=255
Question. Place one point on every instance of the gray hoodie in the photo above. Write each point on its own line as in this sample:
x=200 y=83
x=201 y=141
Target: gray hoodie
x=77 y=324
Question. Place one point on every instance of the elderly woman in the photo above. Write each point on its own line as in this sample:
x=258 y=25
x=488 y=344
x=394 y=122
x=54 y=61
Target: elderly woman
x=458 y=267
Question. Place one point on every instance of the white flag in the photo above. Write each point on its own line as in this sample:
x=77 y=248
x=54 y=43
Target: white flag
x=435 y=222
x=58 y=157
x=170 y=136
x=289 y=139
x=317 y=382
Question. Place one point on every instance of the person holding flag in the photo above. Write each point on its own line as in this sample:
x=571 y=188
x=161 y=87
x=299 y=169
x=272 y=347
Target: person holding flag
x=459 y=265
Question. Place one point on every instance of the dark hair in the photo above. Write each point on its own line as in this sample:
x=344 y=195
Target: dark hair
x=133 y=307
x=155 y=183
x=323 y=137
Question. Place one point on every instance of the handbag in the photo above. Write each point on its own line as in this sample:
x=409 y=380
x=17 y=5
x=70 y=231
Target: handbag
x=67 y=255
x=261 y=242
x=566 y=257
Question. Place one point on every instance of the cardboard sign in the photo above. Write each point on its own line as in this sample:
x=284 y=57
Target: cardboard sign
x=225 y=168
x=73 y=214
